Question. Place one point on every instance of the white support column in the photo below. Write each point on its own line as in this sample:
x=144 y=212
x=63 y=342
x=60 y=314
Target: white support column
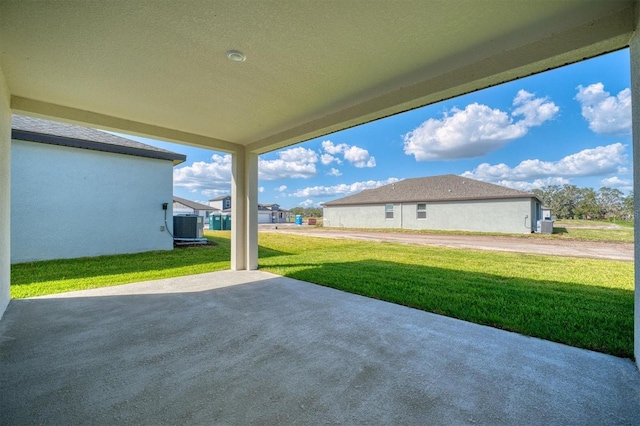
x=634 y=51
x=5 y=194
x=251 y=168
x=238 y=211
x=244 y=208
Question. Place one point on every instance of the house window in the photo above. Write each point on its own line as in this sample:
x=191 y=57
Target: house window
x=421 y=211
x=227 y=203
x=388 y=211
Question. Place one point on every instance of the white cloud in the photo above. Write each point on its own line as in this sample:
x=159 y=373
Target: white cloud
x=335 y=172
x=292 y=163
x=359 y=157
x=606 y=114
x=534 y=110
x=307 y=203
x=327 y=159
x=213 y=193
x=355 y=155
x=330 y=148
x=341 y=189
x=476 y=130
x=589 y=162
x=530 y=186
x=281 y=188
x=261 y=189
x=616 y=182
x=212 y=179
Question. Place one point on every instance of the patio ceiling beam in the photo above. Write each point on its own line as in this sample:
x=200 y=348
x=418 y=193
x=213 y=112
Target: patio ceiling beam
x=604 y=35
x=46 y=110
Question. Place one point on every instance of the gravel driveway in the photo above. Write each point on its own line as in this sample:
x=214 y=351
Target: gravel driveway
x=569 y=248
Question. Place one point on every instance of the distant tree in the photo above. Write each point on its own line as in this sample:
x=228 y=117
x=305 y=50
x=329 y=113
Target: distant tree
x=611 y=202
x=568 y=198
x=550 y=197
x=313 y=212
x=307 y=211
x=587 y=206
x=298 y=210
x=627 y=207
x=570 y=202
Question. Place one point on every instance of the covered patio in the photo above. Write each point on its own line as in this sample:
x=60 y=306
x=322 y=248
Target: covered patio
x=255 y=348
x=248 y=78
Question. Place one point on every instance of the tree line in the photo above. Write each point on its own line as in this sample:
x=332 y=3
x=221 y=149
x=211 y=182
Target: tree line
x=307 y=211
x=570 y=202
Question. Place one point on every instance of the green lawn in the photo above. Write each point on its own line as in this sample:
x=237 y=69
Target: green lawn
x=592 y=230
x=58 y=276
x=566 y=229
x=580 y=302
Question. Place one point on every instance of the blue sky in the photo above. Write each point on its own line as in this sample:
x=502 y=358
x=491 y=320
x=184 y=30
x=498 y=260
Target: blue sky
x=570 y=125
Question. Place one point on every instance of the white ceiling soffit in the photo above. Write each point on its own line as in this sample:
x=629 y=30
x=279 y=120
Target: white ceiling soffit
x=159 y=69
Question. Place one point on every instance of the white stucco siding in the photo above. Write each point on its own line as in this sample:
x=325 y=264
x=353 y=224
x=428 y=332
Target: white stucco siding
x=363 y=216
x=508 y=216
x=71 y=202
x=5 y=194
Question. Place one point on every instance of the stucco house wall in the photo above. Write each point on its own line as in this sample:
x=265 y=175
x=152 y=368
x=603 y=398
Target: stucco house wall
x=69 y=202
x=505 y=215
x=5 y=194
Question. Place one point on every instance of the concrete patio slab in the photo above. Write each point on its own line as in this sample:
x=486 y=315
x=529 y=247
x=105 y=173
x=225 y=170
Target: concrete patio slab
x=256 y=348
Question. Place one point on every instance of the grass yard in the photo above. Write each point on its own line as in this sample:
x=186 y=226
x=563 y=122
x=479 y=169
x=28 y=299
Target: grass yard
x=581 y=302
x=566 y=229
x=59 y=276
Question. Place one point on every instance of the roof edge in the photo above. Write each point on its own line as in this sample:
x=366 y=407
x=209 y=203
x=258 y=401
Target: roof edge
x=24 y=135
x=438 y=200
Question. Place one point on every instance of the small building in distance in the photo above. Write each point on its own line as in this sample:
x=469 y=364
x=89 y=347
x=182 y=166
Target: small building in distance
x=267 y=213
x=222 y=203
x=446 y=202
x=272 y=213
x=184 y=206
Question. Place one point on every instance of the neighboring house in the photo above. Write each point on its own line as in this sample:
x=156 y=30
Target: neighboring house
x=184 y=206
x=272 y=213
x=79 y=192
x=221 y=203
x=267 y=213
x=447 y=202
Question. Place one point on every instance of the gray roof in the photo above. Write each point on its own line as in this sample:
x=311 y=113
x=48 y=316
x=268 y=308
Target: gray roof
x=51 y=132
x=222 y=197
x=432 y=188
x=193 y=204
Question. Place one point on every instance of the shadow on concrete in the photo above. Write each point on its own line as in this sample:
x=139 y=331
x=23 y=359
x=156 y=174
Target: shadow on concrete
x=581 y=315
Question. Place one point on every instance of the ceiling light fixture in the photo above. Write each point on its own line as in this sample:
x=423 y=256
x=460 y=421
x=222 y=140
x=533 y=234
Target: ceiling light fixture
x=236 y=56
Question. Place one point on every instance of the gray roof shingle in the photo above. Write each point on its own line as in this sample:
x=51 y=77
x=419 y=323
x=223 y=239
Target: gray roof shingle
x=55 y=133
x=193 y=204
x=432 y=188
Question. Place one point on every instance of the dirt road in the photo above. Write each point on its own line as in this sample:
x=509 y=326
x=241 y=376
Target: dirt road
x=593 y=250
